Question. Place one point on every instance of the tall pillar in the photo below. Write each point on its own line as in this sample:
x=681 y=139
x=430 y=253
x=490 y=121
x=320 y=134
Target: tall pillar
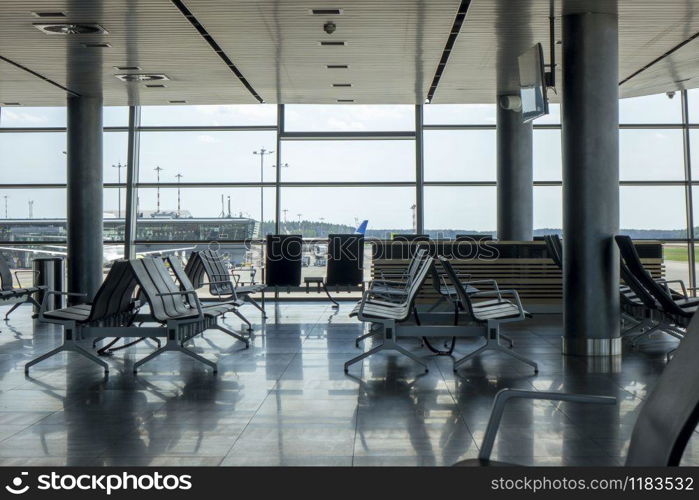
x=85 y=252
x=590 y=142
x=515 y=176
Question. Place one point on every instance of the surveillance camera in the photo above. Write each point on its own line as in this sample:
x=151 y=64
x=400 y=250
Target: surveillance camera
x=670 y=94
x=329 y=27
x=511 y=102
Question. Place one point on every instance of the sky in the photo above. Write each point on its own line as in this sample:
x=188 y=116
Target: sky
x=214 y=156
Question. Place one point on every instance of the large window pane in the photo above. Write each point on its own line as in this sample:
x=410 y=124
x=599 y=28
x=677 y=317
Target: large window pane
x=32 y=117
x=651 y=155
x=319 y=211
x=694 y=151
x=554 y=116
x=459 y=114
x=114 y=152
x=210 y=115
x=548 y=209
x=547 y=155
x=35 y=157
x=25 y=207
x=207 y=156
x=656 y=108
x=675 y=258
x=452 y=210
x=115 y=116
x=653 y=212
x=349 y=161
x=205 y=214
x=348 y=118
x=460 y=155
x=693 y=104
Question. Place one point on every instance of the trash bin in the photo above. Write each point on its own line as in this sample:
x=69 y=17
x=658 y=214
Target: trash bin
x=49 y=272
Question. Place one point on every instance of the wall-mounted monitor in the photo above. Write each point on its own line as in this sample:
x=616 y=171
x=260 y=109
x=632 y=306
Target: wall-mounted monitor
x=532 y=83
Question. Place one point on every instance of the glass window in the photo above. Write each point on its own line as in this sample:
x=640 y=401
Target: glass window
x=460 y=155
x=554 y=116
x=547 y=155
x=459 y=114
x=34 y=157
x=207 y=156
x=693 y=105
x=651 y=155
x=548 y=209
x=206 y=214
x=32 y=117
x=114 y=152
x=675 y=258
x=24 y=204
x=452 y=210
x=210 y=115
x=338 y=161
x=115 y=116
x=348 y=118
x=656 y=108
x=653 y=212
x=317 y=210
x=694 y=151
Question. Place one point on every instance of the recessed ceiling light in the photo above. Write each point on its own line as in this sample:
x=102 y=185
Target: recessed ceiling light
x=11 y=104
x=178 y=102
x=48 y=14
x=342 y=84
x=337 y=66
x=141 y=77
x=326 y=12
x=345 y=100
x=100 y=45
x=156 y=85
x=127 y=68
x=70 y=29
x=332 y=43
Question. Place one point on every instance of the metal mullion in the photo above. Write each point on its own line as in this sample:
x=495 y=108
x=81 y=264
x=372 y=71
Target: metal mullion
x=419 y=170
x=205 y=184
x=689 y=201
x=277 y=186
x=132 y=166
x=208 y=128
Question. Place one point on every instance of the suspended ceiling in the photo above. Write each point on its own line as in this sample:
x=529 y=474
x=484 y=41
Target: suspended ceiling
x=393 y=48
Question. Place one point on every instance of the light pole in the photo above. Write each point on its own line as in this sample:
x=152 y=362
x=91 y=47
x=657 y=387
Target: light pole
x=5 y=206
x=262 y=153
x=157 y=172
x=119 y=166
x=179 y=178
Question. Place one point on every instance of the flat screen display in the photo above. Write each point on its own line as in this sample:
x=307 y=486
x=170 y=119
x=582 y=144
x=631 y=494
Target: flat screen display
x=532 y=84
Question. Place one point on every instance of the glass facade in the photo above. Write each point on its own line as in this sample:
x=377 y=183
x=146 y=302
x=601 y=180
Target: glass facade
x=326 y=168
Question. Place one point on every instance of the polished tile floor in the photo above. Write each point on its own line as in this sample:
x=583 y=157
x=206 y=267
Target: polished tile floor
x=287 y=401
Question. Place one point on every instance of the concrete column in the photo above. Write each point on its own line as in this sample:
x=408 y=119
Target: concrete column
x=85 y=252
x=515 y=176
x=590 y=141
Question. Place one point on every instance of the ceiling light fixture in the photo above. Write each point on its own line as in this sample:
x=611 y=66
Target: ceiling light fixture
x=127 y=68
x=326 y=12
x=48 y=14
x=100 y=45
x=332 y=43
x=70 y=29
x=141 y=77
x=178 y=102
x=345 y=100
x=342 y=84
x=156 y=85
x=337 y=66
x=11 y=104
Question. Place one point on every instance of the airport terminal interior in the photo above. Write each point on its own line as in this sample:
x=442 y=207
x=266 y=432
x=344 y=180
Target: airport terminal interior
x=349 y=232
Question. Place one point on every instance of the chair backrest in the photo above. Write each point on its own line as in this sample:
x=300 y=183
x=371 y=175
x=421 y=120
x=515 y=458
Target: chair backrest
x=195 y=269
x=637 y=288
x=555 y=249
x=283 y=260
x=453 y=280
x=154 y=279
x=5 y=275
x=633 y=262
x=421 y=274
x=182 y=279
x=115 y=295
x=345 y=259
x=216 y=269
x=670 y=412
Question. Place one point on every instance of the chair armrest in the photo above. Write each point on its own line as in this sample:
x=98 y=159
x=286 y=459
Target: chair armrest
x=16 y=273
x=493 y=283
x=505 y=395
x=185 y=292
x=665 y=283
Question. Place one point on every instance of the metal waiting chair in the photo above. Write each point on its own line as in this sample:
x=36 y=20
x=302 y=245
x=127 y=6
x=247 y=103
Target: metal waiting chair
x=15 y=296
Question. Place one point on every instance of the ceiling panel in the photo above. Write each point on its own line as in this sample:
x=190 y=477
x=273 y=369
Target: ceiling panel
x=392 y=49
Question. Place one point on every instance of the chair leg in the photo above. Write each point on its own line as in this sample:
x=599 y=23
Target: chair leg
x=508 y=340
x=518 y=356
x=199 y=358
x=470 y=355
x=14 y=306
x=637 y=338
x=493 y=344
x=243 y=318
x=91 y=357
x=234 y=335
x=174 y=346
x=152 y=355
x=410 y=355
x=363 y=337
x=68 y=346
x=39 y=359
x=363 y=355
x=252 y=301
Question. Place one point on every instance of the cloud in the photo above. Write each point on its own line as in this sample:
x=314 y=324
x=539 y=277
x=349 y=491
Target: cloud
x=207 y=139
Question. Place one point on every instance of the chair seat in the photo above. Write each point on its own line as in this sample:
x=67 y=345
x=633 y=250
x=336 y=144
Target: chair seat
x=477 y=462
x=498 y=310
x=73 y=313
x=218 y=309
x=248 y=289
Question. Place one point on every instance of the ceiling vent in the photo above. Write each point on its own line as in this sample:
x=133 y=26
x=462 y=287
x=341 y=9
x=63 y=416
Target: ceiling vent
x=99 y=45
x=130 y=77
x=178 y=102
x=345 y=100
x=342 y=84
x=11 y=104
x=70 y=29
x=332 y=43
x=337 y=66
x=326 y=12
x=48 y=14
x=156 y=85
x=127 y=68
